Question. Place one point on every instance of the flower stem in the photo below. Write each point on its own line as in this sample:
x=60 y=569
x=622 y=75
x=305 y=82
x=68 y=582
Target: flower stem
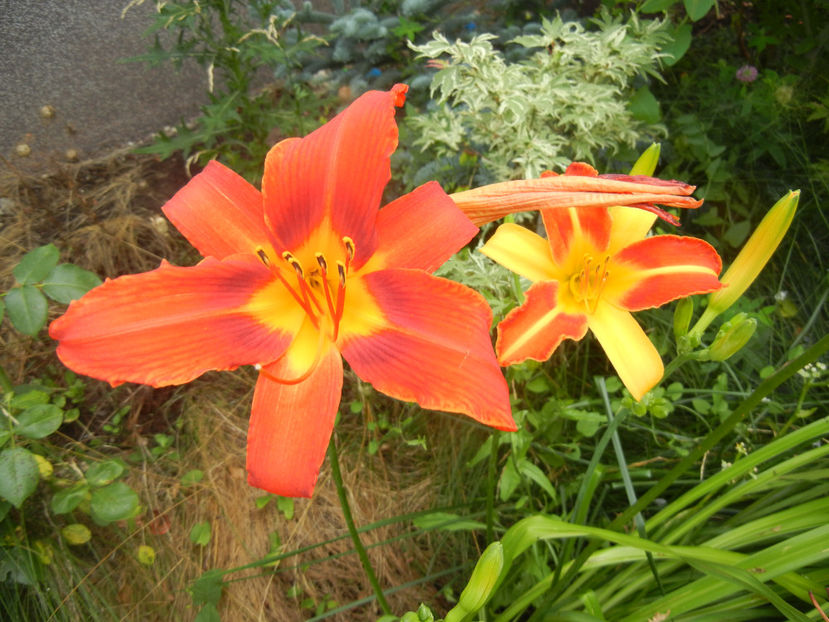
x=623 y=470
x=337 y=476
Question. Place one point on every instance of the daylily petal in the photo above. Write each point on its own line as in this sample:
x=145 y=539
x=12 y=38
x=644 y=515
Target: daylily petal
x=522 y=251
x=495 y=201
x=430 y=345
x=656 y=270
x=576 y=231
x=334 y=175
x=219 y=213
x=628 y=225
x=170 y=325
x=627 y=346
x=535 y=329
x=421 y=229
x=290 y=426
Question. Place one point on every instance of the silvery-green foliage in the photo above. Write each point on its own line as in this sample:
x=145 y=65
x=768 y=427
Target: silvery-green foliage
x=565 y=101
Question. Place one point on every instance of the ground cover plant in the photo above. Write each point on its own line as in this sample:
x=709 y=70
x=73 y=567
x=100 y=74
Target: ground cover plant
x=662 y=396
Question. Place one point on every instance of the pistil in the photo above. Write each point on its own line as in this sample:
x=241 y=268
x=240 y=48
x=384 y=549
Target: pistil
x=587 y=284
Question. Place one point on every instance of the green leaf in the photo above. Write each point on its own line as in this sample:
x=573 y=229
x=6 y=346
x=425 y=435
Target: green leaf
x=644 y=106
x=76 y=534
x=737 y=233
x=193 y=476
x=208 y=613
x=66 y=500
x=531 y=471
x=18 y=475
x=679 y=45
x=68 y=282
x=286 y=506
x=697 y=9
x=200 y=533
x=36 y=264
x=39 y=421
x=446 y=521
x=27 y=309
x=2 y=309
x=654 y=6
x=104 y=473
x=207 y=589
x=112 y=503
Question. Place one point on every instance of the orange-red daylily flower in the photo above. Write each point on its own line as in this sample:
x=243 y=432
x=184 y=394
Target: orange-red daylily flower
x=594 y=268
x=294 y=278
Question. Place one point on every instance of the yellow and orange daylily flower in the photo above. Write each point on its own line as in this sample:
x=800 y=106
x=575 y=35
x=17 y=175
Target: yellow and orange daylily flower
x=594 y=268
x=296 y=277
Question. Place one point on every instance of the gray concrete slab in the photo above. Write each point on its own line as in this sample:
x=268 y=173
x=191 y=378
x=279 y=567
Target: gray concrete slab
x=67 y=54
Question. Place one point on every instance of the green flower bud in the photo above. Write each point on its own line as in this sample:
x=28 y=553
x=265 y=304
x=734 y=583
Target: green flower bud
x=682 y=316
x=733 y=335
x=646 y=164
x=481 y=583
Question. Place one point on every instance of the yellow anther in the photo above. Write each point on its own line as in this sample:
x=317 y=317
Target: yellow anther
x=349 y=247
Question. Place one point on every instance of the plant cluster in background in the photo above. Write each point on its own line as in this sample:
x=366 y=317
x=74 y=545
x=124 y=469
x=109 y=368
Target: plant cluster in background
x=572 y=95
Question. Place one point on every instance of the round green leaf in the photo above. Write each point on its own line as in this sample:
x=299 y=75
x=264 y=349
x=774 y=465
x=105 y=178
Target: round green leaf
x=66 y=500
x=68 y=282
x=112 y=503
x=18 y=475
x=76 y=534
x=681 y=42
x=36 y=264
x=104 y=473
x=697 y=9
x=27 y=309
x=200 y=533
x=644 y=106
x=39 y=421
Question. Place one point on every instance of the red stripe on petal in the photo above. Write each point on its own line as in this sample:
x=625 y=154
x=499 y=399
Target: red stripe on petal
x=431 y=346
x=570 y=229
x=420 y=230
x=219 y=213
x=290 y=426
x=335 y=174
x=535 y=329
x=169 y=325
x=656 y=270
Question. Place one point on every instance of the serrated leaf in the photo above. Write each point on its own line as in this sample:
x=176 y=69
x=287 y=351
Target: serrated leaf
x=68 y=282
x=104 y=473
x=66 y=500
x=36 y=264
x=18 y=475
x=112 y=503
x=39 y=421
x=27 y=309
x=697 y=9
x=207 y=589
x=200 y=533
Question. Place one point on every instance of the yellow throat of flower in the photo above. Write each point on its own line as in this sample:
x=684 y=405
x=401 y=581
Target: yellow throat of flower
x=587 y=283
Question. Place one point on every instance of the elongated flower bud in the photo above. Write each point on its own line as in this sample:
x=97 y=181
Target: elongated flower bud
x=483 y=580
x=646 y=164
x=752 y=258
x=682 y=316
x=732 y=336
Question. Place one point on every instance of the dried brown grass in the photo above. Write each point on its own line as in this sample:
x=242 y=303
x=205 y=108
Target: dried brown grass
x=103 y=216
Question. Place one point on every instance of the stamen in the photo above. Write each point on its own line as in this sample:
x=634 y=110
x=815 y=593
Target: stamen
x=341 y=273
x=304 y=375
x=263 y=256
x=328 y=298
x=321 y=261
x=349 y=247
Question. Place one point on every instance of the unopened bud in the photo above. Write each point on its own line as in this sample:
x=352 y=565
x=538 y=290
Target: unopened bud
x=646 y=164
x=682 y=316
x=481 y=583
x=733 y=335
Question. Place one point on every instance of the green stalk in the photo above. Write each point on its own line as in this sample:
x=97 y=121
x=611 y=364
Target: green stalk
x=490 y=487
x=623 y=470
x=337 y=476
x=745 y=407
